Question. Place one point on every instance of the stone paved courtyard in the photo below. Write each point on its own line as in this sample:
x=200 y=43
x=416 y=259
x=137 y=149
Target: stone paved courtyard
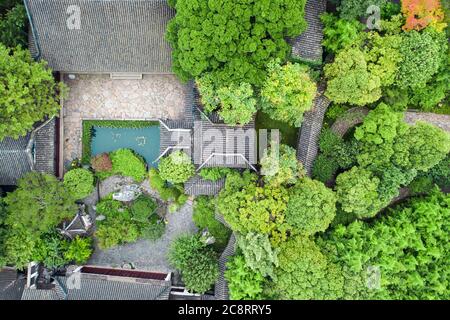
x=99 y=97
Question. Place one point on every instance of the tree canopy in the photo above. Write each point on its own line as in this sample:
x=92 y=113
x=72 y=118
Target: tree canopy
x=28 y=92
x=232 y=39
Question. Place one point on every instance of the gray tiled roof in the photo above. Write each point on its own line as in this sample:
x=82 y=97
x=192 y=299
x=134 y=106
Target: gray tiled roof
x=308 y=46
x=308 y=142
x=16 y=156
x=11 y=284
x=197 y=186
x=115 y=35
x=221 y=291
x=101 y=287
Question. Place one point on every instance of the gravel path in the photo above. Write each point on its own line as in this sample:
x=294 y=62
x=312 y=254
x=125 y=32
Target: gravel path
x=145 y=254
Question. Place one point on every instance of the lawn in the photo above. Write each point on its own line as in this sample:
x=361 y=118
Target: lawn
x=288 y=133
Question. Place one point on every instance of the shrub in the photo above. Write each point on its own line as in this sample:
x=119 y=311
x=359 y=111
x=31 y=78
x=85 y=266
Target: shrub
x=243 y=282
x=142 y=208
x=288 y=92
x=79 y=182
x=50 y=250
x=355 y=9
x=324 y=168
x=204 y=217
x=154 y=230
x=215 y=173
x=197 y=262
x=118 y=226
x=125 y=162
x=101 y=163
x=79 y=250
x=176 y=168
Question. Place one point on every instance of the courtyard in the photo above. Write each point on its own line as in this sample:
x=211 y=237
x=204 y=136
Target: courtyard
x=97 y=97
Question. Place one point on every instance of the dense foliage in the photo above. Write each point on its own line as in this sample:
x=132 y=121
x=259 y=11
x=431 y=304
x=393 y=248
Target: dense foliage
x=79 y=183
x=410 y=246
x=287 y=92
x=233 y=39
x=28 y=92
x=258 y=253
x=235 y=104
x=339 y=33
x=127 y=223
x=280 y=165
x=204 y=218
x=196 y=261
x=128 y=164
x=39 y=203
x=305 y=273
x=422 y=13
x=311 y=207
x=248 y=207
x=243 y=282
x=13 y=27
x=176 y=168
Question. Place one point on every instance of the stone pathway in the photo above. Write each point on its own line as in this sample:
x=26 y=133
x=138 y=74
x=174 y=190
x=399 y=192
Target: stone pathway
x=99 y=97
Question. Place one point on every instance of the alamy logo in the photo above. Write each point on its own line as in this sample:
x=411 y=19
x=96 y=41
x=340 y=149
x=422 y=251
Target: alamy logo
x=74 y=281
x=373 y=278
x=73 y=22
x=374 y=18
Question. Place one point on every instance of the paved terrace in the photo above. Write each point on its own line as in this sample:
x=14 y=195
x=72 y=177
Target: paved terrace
x=99 y=97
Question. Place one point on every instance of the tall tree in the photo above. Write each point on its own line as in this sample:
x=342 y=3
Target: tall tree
x=27 y=92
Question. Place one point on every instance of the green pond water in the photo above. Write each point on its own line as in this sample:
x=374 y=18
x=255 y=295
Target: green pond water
x=144 y=141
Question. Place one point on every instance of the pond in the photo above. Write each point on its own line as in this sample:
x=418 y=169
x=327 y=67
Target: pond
x=144 y=141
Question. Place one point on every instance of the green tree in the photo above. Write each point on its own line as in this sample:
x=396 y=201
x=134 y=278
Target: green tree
x=357 y=193
x=421 y=147
x=305 y=273
x=287 y=92
x=232 y=39
x=243 y=282
x=350 y=80
x=176 y=168
x=237 y=105
x=13 y=27
x=355 y=9
x=39 y=204
x=79 y=250
x=423 y=54
x=27 y=92
x=259 y=255
x=247 y=207
x=339 y=33
x=196 y=261
x=410 y=246
x=281 y=166
x=79 y=182
x=311 y=207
